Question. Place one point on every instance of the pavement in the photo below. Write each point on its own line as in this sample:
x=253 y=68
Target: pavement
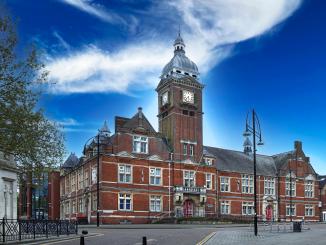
x=134 y=237
x=170 y=234
x=314 y=235
x=161 y=226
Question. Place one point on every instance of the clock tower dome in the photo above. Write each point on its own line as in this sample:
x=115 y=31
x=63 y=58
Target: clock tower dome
x=180 y=106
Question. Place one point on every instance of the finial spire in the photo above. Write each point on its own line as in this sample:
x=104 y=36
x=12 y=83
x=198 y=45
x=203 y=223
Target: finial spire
x=179 y=45
x=105 y=129
x=179 y=30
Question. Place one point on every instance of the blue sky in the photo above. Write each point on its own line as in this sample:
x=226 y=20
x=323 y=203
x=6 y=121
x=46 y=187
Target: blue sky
x=105 y=58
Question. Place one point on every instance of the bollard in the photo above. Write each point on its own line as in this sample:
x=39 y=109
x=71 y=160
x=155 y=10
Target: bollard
x=82 y=238
x=144 y=240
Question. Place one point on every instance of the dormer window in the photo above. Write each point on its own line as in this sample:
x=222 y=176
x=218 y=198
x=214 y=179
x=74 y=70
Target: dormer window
x=178 y=71
x=186 y=73
x=94 y=151
x=191 y=150
x=140 y=144
x=208 y=161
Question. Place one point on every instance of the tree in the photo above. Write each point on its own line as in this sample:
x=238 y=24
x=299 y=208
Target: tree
x=25 y=132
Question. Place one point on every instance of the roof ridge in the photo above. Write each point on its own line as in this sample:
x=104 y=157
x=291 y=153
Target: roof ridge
x=286 y=152
x=238 y=151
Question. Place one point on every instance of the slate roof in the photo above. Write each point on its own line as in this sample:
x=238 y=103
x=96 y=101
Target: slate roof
x=236 y=161
x=322 y=180
x=281 y=159
x=71 y=161
x=139 y=121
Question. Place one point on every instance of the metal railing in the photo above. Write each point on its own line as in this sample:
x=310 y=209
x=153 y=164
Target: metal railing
x=277 y=227
x=18 y=230
x=188 y=189
x=196 y=214
x=237 y=218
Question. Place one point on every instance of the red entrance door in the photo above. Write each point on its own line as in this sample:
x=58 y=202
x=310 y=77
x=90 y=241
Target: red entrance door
x=269 y=212
x=188 y=208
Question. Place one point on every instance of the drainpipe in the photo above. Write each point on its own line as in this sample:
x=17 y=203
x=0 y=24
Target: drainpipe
x=278 y=197
x=321 y=205
x=170 y=161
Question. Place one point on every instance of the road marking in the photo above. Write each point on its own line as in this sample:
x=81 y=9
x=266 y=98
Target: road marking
x=66 y=240
x=206 y=238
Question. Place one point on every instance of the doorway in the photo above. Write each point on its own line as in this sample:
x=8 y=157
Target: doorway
x=188 y=208
x=269 y=213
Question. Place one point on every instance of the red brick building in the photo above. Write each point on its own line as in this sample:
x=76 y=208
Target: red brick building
x=146 y=175
x=287 y=187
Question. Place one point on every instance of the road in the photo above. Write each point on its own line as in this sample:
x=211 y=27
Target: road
x=134 y=236
x=191 y=235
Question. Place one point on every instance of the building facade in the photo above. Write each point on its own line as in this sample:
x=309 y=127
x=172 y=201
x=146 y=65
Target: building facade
x=39 y=195
x=145 y=176
x=8 y=186
x=287 y=185
x=322 y=187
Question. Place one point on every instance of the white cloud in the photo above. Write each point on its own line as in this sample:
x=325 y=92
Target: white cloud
x=210 y=29
x=94 y=70
x=96 y=10
x=68 y=122
x=62 y=42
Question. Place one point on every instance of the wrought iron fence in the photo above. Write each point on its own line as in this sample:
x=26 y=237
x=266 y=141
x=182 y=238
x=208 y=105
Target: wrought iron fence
x=17 y=230
x=239 y=218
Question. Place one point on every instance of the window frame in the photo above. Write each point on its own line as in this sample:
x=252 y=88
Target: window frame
x=208 y=161
x=270 y=181
x=209 y=180
x=94 y=202
x=224 y=204
x=310 y=207
x=225 y=184
x=80 y=205
x=154 y=198
x=189 y=178
x=185 y=149
x=140 y=140
x=191 y=149
x=248 y=206
x=247 y=181
x=155 y=176
x=292 y=208
x=124 y=173
x=125 y=203
x=288 y=181
x=310 y=184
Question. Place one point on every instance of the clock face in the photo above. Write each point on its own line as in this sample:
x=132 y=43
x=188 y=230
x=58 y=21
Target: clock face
x=165 y=98
x=187 y=96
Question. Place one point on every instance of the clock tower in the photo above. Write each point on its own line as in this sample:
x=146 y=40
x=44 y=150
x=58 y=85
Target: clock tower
x=180 y=106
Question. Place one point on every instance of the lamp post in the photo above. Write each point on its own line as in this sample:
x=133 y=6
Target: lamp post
x=255 y=131
x=290 y=195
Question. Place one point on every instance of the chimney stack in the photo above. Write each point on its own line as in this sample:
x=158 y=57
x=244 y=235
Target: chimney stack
x=298 y=145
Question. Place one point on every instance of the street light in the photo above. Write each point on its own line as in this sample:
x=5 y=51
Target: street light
x=255 y=131
x=104 y=132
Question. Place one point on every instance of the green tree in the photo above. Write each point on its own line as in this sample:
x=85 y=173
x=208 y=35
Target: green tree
x=25 y=132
